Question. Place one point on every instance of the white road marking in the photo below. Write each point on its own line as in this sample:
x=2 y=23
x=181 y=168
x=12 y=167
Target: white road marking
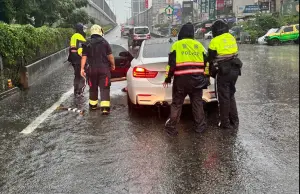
x=32 y=126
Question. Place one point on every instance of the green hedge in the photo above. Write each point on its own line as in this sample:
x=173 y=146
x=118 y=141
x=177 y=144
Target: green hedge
x=29 y=43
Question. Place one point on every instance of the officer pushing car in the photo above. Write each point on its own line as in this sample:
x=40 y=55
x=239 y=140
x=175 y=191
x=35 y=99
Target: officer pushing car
x=187 y=65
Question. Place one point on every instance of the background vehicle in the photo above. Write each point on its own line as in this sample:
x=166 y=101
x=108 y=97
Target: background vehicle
x=122 y=60
x=261 y=40
x=208 y=35
x=147 y=73
x=137 y=35
x=284 y=34
x=125 y=31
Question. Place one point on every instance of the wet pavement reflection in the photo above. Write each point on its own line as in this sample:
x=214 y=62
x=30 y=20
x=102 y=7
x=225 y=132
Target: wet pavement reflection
x=124 y=153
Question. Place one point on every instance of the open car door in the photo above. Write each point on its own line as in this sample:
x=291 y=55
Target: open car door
x=123 y=59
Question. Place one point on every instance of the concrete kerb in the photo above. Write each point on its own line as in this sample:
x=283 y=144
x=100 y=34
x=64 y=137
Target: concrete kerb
x=42 y=67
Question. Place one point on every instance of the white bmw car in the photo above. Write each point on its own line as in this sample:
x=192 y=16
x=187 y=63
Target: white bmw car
x=147 y=74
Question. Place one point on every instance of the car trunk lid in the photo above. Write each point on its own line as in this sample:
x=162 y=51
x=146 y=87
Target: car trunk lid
x=156 y=64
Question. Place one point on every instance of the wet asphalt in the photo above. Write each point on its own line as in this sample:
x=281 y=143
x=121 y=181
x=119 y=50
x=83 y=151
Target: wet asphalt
x=124 y=153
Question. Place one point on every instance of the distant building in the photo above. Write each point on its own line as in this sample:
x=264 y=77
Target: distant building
x=158 y=7
x=137 y=6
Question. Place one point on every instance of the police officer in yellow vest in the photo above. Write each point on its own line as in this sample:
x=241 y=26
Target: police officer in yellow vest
x=225 y=67
x=75 y=54
x=187 y=65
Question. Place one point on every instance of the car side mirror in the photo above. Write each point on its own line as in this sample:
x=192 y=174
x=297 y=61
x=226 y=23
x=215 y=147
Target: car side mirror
x=124 y=54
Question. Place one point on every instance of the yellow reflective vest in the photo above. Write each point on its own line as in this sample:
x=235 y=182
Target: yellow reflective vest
x=76 y=43
x=189 y=59
x=224 y=44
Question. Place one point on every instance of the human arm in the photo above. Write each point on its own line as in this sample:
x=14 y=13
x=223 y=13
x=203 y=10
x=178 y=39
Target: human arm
x=112 y=61
x=170 y=69
x=110 y=57
x=212 y=51
x=83 y=60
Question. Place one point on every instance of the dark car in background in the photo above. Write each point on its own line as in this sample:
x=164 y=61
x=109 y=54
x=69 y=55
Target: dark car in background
x=125 y=31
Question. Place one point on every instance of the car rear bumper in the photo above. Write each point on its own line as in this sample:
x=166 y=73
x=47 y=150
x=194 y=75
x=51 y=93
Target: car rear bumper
x=157 y=95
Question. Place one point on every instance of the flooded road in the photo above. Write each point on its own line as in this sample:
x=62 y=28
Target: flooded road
x=69 y=153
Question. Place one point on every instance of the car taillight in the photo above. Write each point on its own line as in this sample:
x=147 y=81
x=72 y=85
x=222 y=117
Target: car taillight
x=148 y=36
x=141 y=72
x=135 y=37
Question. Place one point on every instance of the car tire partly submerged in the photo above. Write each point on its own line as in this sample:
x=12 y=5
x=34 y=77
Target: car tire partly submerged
x=275 y=42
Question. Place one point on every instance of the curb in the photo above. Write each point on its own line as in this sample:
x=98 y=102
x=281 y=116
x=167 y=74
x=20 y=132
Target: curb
x=8 y=93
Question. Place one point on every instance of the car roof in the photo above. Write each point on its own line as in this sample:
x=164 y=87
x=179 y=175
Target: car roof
x=140 y=27
x=159 y=41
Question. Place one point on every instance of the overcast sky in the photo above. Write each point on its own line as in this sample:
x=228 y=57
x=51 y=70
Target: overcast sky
x=122 y=10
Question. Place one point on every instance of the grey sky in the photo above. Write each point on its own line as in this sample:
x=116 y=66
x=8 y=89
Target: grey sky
x=122 y=10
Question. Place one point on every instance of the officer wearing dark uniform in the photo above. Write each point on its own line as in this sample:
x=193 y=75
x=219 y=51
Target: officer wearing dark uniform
x=187 y=65
x=98 y=54
x=225 y=67
x=75 y=54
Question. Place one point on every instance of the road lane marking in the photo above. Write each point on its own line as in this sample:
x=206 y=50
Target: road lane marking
x=32 y=126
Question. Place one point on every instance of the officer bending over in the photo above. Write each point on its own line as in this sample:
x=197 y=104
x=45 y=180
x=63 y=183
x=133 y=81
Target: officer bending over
x=186 y=64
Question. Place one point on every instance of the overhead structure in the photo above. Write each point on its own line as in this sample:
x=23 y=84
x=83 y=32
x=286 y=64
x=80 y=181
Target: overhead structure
x=101 y=12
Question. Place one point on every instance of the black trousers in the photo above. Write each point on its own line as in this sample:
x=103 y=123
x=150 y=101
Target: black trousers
x=99 y=78
x=182 y=88
x=79 y=81
x=225 y=87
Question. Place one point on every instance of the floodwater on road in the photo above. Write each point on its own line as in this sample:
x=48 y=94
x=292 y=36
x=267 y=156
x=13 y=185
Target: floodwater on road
x=123 y=153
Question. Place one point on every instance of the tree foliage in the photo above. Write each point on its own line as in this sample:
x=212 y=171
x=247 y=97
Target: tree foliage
x=42 y=12
x=264 y=22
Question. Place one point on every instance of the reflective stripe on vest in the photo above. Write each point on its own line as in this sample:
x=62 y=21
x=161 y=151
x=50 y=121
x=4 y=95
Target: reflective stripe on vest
x=189 y=71
x=190 y=64
x=189 y=57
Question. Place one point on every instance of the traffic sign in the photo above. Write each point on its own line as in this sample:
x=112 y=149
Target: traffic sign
x=174 y=32
x=169 y=10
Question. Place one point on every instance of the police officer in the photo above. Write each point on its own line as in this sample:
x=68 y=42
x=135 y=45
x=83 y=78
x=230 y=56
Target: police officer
x=187 y=65
x=98 y=54
x=75 y=53
x=225 y=67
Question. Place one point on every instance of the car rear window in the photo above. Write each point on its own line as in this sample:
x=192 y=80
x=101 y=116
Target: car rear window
x=141 y=30
x=117 y=49
x=156 y=50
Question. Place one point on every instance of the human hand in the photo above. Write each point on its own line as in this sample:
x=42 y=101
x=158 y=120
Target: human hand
x=82 y=73
x=113 y=68
x=165 y=85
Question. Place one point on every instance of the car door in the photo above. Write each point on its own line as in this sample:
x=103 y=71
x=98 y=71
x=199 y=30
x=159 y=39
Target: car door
x=123 y=59
x=286 y=34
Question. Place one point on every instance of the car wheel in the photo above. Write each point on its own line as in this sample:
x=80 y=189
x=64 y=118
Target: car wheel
x=296 y=41
x=275 y=42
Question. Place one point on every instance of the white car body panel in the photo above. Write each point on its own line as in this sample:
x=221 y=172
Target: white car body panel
x=149 y=91
x=208 y=35
x=261 y=40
